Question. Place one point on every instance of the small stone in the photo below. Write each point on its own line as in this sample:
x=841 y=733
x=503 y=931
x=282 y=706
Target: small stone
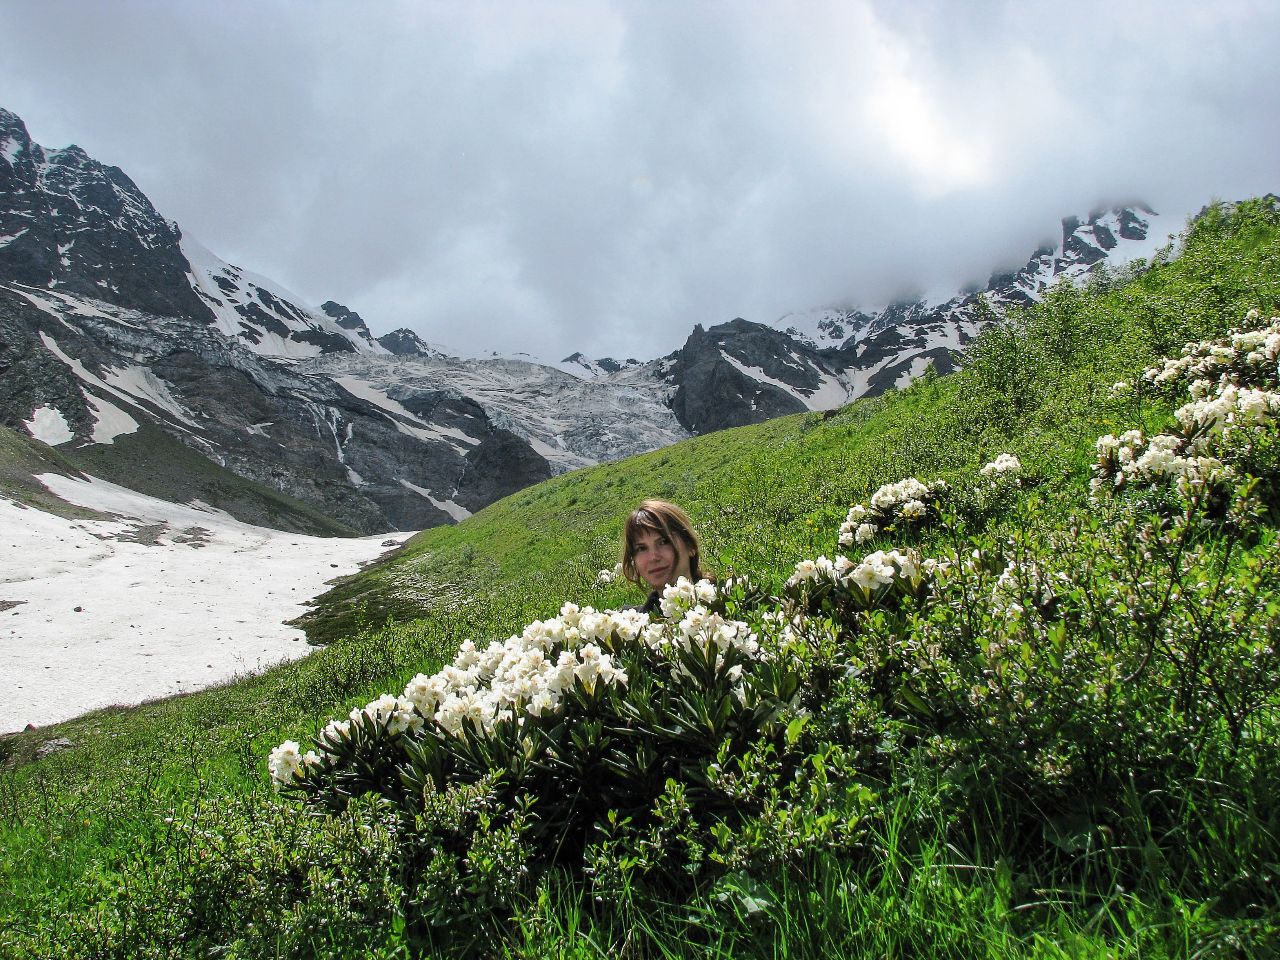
x=52 y=746
x=79 y=609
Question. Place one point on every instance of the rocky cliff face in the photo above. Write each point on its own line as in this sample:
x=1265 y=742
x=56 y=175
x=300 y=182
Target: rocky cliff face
x=72 y=224
x=741 y=372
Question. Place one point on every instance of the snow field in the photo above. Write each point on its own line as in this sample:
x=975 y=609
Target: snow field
x=165 y=599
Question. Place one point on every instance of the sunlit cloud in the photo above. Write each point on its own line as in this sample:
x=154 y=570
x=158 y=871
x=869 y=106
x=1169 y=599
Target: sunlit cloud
x=576 y=175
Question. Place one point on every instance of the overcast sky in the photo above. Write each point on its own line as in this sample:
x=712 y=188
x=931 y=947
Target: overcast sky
x=555 y=176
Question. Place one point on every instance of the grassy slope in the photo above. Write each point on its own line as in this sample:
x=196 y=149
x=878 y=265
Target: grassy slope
x=21 y=460
x=74 y=824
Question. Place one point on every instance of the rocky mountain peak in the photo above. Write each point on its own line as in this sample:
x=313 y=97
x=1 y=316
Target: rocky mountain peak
x=405 y=343
x=580 y=365
x=12 y=130
x=347 y=319
x=70 y=223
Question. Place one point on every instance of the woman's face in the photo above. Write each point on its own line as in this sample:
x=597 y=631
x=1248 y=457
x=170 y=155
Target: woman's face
x=659 y=561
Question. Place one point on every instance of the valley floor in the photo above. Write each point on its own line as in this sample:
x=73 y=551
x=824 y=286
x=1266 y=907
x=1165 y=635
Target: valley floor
x=162 y=599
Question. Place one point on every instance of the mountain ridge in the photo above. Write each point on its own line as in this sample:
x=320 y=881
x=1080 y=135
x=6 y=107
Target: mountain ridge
x=111 y=317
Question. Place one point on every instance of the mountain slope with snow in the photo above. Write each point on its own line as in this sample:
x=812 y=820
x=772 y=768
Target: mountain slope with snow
x=119 y=332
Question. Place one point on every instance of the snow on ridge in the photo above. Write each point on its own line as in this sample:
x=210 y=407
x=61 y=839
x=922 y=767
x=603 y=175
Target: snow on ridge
x=1161 y=229
x=365 y=390
x=831 y=393
x=206 y=267
x=10 y=149
x=456 y=510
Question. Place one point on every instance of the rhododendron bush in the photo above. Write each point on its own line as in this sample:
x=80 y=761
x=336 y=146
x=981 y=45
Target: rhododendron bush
x=751 y=724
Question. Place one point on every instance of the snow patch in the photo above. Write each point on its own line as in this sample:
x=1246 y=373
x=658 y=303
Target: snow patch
x=109 y=420
x=141 y=384
x=48 y=425
x=165 y=599
x=455 y=510
x=427 y=431
x=830 y=393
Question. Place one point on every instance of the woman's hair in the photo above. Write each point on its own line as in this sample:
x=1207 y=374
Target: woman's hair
x=668 y=520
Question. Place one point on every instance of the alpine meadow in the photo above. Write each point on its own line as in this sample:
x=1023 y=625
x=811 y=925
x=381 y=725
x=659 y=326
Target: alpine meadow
x=988 y=669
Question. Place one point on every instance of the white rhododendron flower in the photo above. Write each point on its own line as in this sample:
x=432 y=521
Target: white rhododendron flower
x=606 y=577
x=912 y=510
x=1233 y=386
x=1006 y=463
x=678 y=597
x=285 y=762
x=906 y=500
x=336 y=730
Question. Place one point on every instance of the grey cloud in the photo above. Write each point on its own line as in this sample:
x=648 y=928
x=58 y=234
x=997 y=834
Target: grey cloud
x=561 y=175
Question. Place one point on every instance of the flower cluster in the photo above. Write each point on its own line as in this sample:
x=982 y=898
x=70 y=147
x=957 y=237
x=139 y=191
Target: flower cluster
x=1004 y=465
x=1133 y=458
x=706 y=634
x=1233 y=399
x=684 y=594
x=1227 y=411
x=907 y=501
x=530 y=675
x=606 y=577
x=875 y=572
x=527 y=675
x=1246 y=355
x=287 y=761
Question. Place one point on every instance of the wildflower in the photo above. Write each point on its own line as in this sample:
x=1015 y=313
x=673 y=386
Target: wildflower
x=1006 y=463
x=285 y=763
x=912 y=510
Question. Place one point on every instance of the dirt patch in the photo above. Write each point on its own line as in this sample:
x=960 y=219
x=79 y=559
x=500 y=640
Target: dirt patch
x=193 y=537
x=10 y=604
x=147 y=534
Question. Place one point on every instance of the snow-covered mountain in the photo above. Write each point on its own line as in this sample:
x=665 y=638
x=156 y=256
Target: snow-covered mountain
x=120 y=334
x=879 y=349
x=580 y=366
x=568 y=421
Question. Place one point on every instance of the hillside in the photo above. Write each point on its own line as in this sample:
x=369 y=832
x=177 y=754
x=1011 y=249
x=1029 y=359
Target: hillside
x=158 y=834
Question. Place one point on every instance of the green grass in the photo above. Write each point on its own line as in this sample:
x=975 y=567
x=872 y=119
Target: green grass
x=92 y=866
x=21 y=461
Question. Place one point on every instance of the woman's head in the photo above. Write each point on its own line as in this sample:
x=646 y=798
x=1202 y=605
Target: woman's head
x=659 y=545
